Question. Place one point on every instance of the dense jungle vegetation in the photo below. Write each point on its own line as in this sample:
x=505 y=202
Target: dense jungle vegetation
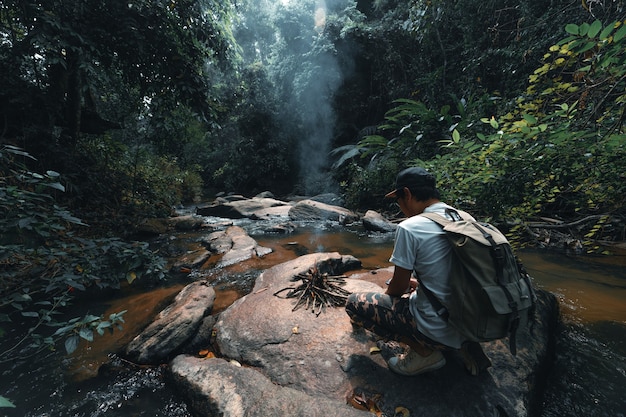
x=111 y=112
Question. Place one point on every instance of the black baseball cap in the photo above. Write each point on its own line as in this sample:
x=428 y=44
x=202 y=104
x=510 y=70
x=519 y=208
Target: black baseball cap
x=412 y=178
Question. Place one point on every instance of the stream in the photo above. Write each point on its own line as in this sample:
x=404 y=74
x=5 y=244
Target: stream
x=588 y=377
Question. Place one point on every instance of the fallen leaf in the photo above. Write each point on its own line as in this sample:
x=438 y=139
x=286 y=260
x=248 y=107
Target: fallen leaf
x=374 y=350
x=234 y=362
x=357 y=401
x=402 y=412
x=295 y=330
x=203 y=352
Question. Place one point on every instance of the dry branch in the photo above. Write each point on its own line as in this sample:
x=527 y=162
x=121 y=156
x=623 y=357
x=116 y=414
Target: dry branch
x=317 y=291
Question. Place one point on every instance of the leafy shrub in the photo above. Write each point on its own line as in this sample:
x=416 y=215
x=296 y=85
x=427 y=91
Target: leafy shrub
x=44 y=263
x=558 y=152
x=113 y=184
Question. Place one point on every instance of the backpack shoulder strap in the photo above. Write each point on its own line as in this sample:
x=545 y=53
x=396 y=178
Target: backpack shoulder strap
x=442 y=221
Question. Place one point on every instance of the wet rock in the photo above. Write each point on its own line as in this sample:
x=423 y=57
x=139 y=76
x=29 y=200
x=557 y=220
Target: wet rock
x=174 y=326
x=375 y=222
x=235 y=244
x=324 y=357
x=152 y=227
x=309 y=210
x=216 y=387
x=270 y=213
x=192 y=259
x=186 y=223
x=239 y=209
x=284 y=228
x=265 y=194
x=203 y=337
x=329 y=198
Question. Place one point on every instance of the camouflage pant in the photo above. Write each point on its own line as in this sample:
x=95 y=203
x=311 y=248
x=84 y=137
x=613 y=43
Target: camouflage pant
x=388 y=317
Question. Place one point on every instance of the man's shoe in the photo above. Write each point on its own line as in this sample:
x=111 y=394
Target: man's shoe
x=412 y=363
x=474 y=358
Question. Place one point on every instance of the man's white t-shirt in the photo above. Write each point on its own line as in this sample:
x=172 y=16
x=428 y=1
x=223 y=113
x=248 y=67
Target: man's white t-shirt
x=421 y=245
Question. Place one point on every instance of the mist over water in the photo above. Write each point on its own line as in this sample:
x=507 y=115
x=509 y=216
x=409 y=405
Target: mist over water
x=290 y=39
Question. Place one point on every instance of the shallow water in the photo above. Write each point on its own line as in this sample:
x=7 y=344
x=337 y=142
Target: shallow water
x=589 y=373
x=588 y=377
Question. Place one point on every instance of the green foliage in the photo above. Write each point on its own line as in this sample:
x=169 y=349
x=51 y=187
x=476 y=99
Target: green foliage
x=559 y=152
x=368 y=186
x=76 y=58
x=4 y=403
x=252 y=152
x=411 y=132
x=44 y=262
x=470 y=47
x=126 y=183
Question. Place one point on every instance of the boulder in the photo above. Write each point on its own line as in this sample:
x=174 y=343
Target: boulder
x=216 y=387
x=310 y=210
x=152 y=227
x=174 y=326
x=185 y=223
x=238 y=209
x=193 y=259
x=375 y=222
x=329 y=198
x=265 y=194
x=323 y=357
x=235 y=245
x=276 y=212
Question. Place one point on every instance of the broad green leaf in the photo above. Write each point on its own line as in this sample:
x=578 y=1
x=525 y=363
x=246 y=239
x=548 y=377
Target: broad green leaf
x=4 y=403
x=572 y=29
x=607 y=30
x=71 y=343
x=456 y=136
x=89 y=318
x=131 y=276
x=63 y=330
x=621 y=32
x=583 y=29
x=594 y=29
x=530 y=118
x=56 y=186
x=586 y=47
x=86 y=334
x=30 y=314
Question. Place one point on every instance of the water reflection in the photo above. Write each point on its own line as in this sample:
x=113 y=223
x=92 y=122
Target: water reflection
x=590 y=365
x=588 y=291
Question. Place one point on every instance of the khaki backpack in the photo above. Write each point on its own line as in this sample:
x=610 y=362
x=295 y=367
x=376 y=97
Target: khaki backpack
x=491 y=293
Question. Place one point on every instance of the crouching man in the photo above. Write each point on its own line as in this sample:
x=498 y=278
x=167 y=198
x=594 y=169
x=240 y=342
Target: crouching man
x=404 y=313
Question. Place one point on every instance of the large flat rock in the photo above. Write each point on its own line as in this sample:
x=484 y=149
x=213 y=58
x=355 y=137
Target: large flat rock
x=324 y=357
